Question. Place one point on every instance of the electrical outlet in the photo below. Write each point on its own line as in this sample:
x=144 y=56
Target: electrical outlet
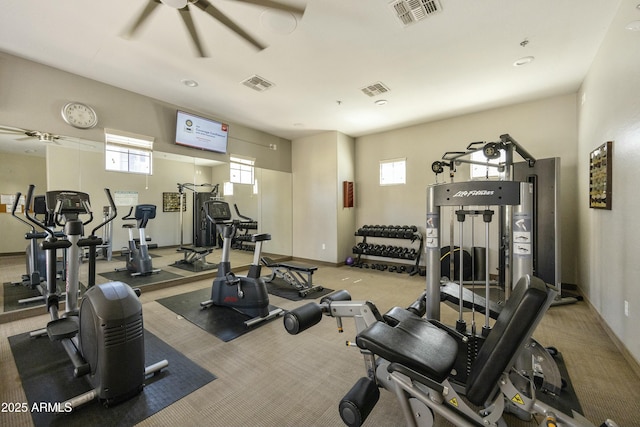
x=626 y=308
x=324 y=246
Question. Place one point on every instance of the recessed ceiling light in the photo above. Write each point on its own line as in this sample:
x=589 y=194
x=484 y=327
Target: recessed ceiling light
x=381 y=102
x=523 y=61
x=633 y=26
x=189 y=83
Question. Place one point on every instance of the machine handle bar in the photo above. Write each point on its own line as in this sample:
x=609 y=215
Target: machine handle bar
x=13 y=214
x=113 y=216
x=33 y=220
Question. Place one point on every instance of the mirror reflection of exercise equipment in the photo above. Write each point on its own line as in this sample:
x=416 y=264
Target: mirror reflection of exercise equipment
x=35 y=256
x=138 y=259
x=195 y=255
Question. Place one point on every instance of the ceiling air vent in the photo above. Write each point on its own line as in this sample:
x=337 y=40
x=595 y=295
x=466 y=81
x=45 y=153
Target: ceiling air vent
x=375 y=89
x=410 y=11
x=256 y=82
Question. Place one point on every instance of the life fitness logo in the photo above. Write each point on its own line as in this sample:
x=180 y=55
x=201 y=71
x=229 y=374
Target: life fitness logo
x=473 y=193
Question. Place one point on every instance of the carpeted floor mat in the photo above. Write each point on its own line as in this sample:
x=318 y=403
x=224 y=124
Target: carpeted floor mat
x=134 y=281
x=47 y=376
x=14 y=293
x=280 y=288
x=222 y=322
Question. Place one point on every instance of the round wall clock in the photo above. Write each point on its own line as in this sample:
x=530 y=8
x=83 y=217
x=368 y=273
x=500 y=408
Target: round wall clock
x=79 y=115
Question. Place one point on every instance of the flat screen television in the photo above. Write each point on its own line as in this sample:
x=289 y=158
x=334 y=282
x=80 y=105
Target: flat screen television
x=201 y=133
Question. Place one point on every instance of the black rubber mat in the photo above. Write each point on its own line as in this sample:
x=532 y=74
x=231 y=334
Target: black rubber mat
x=222 y=322
x=47 y=376
x=13 y=293
x=280 y=288
x=134 y=281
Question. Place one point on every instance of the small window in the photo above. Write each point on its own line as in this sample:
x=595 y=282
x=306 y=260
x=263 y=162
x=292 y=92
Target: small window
x=127 y=152
x=482 y=171
x=241 y=170
x=227 y=189
x=393 y=172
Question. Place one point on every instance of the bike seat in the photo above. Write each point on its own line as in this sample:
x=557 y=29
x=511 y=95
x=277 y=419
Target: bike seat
x=260 y=237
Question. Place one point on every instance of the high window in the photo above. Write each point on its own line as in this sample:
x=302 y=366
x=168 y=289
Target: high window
x=127 y=152
x=393 y=172
x=241 y=170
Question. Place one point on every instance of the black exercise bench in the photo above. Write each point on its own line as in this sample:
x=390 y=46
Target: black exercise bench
x=298 y=275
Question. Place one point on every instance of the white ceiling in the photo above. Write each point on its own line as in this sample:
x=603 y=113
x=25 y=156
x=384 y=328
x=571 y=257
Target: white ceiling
x=457 y=61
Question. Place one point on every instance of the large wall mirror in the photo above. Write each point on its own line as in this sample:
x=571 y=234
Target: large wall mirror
x=76 y=164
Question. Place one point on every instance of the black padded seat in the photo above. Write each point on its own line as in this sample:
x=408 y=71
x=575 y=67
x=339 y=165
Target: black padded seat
x=414 y=343
x=260 y=237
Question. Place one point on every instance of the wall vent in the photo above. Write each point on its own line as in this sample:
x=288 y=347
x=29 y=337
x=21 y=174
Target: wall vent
x=258 y=83
x=410 y=11
x=375 y=89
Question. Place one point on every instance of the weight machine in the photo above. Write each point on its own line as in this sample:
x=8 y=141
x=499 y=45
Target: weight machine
x=412 y=357
x=203 y=231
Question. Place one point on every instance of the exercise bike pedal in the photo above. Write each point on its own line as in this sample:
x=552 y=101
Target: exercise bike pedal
x=59 y=329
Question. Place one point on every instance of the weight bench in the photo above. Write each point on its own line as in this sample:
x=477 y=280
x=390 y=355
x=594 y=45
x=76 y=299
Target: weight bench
x=197 y=257
x=300 y=276
x=413 y=358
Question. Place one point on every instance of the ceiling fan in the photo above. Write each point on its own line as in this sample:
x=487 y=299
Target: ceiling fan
x=185 y=13
x=38 y=135
x=12 y=135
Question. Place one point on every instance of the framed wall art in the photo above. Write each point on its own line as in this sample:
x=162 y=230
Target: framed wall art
x=600 y=170
x=171 y=202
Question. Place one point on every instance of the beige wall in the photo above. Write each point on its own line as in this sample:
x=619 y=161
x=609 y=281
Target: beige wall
x=322 y=227
x=609 y=241
x=546 y=128
x=16 y=173
x=33 y=94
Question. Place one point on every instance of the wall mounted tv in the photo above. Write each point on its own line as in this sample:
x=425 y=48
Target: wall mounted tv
x=202 y=133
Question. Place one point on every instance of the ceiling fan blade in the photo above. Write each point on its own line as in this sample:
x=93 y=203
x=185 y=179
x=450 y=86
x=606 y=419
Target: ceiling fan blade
x=185 y=14
x=9 y=130
x=275 y=5
x=212 y=11
x=150 y=7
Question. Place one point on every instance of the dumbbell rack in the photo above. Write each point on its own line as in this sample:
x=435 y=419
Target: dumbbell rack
x=242 y=241
x=405 y=232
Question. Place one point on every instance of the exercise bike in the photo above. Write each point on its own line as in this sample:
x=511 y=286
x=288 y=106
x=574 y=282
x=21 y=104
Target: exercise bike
x=139 y=261
x=247 y=295
x=104 y=336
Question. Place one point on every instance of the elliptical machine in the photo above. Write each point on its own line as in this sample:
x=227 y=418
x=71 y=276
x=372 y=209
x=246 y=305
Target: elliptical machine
x=139 y=261
x=247 y=295
x=104 y=338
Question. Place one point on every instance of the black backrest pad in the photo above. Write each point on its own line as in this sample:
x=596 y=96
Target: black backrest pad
x=508 y=335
